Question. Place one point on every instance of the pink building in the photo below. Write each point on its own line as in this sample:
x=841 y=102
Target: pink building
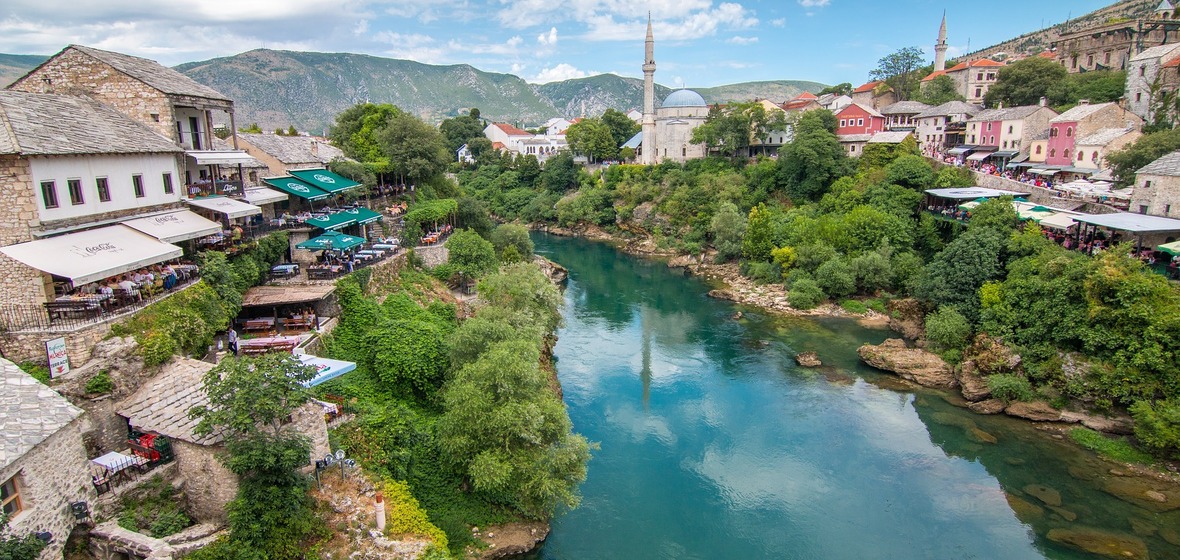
x=859 y=119
x=1081 y=121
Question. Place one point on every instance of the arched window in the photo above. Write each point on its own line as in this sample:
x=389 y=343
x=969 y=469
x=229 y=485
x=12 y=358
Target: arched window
x=1038 y=150
x=1069 y=132
x=1053 y=152
x=1094 y=156
x=1053 y=132
x=1066 y=154
x=1081 y=155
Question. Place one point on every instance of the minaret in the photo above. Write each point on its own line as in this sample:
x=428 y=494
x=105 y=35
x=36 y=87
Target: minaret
x=940 y=46
x=649 y=98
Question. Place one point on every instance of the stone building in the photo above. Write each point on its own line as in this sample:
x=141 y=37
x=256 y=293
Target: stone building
x=943 y=126
x=162 y=406
x=43 y=464
x=900 y=116
x=1150 y=73
x=974 y=78
x=667 y=132
x=68 y=164
x=875 y=94
x=281 y=154
x=160 y=98
x=1083 y=120
x=1092 y=149
x=1009 y=128
x=1115 y=44
x=1157 y=187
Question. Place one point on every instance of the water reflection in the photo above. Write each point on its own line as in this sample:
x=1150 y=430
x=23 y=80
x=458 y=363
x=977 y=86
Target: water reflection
x=714 y=445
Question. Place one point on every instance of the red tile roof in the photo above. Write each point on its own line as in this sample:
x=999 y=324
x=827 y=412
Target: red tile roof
x=975 y=64
x=805 y=95
x=511 y=130
x=1048 y=54
x=1174 y=63
x=797 y=104
x=934 y=74
x=867 y=87
x=498 y=146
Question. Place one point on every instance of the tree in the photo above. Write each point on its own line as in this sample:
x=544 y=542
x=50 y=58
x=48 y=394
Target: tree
x=814 y=158
x=560 y=173
x=910 y=171
x=515 y=236
x=470 y=254
x=593 y=139
x=729 y=128
x=1024 y=82
x=838 y=89
x=415 y=150
x=957 y=272
x=947 y=329
x=897 y=70
x=728 y=228
x=460 y=130
x=12 y=547
x=940 y=90
x=473 y=214
x=253 y=128
x=622 y=128
x=291 y=131
x=1148 y=148
x=1098 y=87
x=355 y=133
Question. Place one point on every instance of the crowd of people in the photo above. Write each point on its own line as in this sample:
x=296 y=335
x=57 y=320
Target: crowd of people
x=133 y=286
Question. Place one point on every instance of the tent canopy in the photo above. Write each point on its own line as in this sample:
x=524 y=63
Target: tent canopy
x=224 y=205
x=263 y=195
x=1060 y=220
x=361 y=214
x=1128 y=221
x=978 y=156
x=293 y=186
x=175 y=226
x=326 y=369
x=91 y=255
x=1172 y=248
x=331 y=240
x=332 y=221
x=969 y=193
x=324 y=180
x=223 y=157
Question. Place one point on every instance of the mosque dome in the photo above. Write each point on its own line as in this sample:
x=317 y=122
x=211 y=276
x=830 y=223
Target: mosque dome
x=684 y=98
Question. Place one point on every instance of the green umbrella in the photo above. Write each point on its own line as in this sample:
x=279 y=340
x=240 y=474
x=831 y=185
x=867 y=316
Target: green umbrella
x=1172 y=248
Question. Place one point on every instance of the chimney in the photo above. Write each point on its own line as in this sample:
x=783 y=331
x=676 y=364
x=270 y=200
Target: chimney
x=379 y=511
x=1045 y=102
x=315 y=148
x=999 y=104
x=1081 y=101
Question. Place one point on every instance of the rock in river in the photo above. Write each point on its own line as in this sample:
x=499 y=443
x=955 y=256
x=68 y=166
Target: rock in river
x=1044 y=493
x=1102 y=543
x=990 y=406
x=974 y=386
x=1037 y=411
x=912 y=364
x=808 y=359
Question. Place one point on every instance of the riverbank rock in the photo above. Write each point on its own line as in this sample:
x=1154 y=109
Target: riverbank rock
x=1037 y=411
x=972 y=385
x=722 y=294
x=1120 y=424
x=906 y=318
x=511 y=539
x=990 y=406
x=1102 y=543
x=990 y=355
x=557 y=274
x=912 y=364
x=685 y=261
x=1143 y=492
x=1045 y=494
x=808 y=359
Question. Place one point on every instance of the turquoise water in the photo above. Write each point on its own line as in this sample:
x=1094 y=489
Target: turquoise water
x=714 y=444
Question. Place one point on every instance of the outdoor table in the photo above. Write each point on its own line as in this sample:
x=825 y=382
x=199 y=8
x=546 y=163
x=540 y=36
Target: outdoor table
x=115 y=463
x=385 y=246
x=261 y=324
x=290 y=269
x=374 y=252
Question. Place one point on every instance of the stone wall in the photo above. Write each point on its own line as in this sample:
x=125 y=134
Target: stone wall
x=309 y=421
x=75 y=73
x=432 y=256
x=1039 y=195
x=386 y=273
x=49 y=477
x=30 y=345
x=207 y=483
x=18 y=213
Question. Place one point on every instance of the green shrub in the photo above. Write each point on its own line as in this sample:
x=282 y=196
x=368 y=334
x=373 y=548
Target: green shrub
x=154 y=509
x=1157 y=426
x=810 y=257
x=764 y=272
x=405 y=517
x=1115 y=448
x=835 y=278
x=1010 y=387
x=947 y=329
x=805 y=294
x=38 y=370
x=877 y=304
x=99 y=384
x=853 y=306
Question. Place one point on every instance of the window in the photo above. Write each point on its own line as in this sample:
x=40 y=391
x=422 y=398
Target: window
x=860 y=122
x=1142 y=208
x=10 y=497
x=684 y=151
x=1053 y=152
x=49 y=194
x=993 y=141
x=104 y=189
x=979 y=77
x=1066 y=153
x=1081 y=155
x=1010 y=129
x=1106 y=58
x=155 y=117
x=1069 y=132
x=1089 y=60
x=842 y=122
x=1142 y=69
x=989 y=127
x=1138 y=96
x=991 y=76
x=1167 y=209
x=74 y=186
x=1038 y=150
x=852 y=148
x=972 y=138
x=1094 y=156
x=1075 y=62
x=137 y=182
x=1147 y=184
x=167 y=183
x=1005 y=144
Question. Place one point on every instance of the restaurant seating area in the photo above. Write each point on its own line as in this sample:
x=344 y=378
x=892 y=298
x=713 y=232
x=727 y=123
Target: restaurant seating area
x=144 y=452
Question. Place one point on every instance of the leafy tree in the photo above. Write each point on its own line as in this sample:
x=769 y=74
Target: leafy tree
x=897 y=70
x=804 y=293
x=560 y=173
x=415 y=150
x=523 y=289
x=957 y=272
x=947 y=329
x=729 y=128
x=814 y=158
x=1097 y=87
x=940 y=90
x=835 y=278
x=515 y=236
x=592 y=138
x=472 y=214
x=760 y=230
x=469 y=254
x=1024 y=82
x=838 y=89
x=872 y=272
x=291 y=131
x=1157 y=425
x=1148 y=148
x=910 y=171
x=252 y=128
x=355 y=133
x=728 y=228
x=353 y=170
x=460 y=130
x=622 y=128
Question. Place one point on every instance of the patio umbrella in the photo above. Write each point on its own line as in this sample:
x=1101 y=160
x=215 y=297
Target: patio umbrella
x=1172 y=248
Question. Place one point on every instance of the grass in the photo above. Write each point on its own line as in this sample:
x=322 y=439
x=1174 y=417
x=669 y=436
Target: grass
x=1117 y=449
x=877 y=304
x=853 y=306
x=38 y=370
x=155 y=510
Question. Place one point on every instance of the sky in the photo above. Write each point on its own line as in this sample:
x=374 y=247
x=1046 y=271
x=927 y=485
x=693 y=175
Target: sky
x=699 y=43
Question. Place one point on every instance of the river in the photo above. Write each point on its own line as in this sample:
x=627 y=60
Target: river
x=715 y=445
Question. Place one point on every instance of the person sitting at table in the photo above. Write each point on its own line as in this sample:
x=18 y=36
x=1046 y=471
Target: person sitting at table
x=105 y=289
x=169 y=275
x=129 y=286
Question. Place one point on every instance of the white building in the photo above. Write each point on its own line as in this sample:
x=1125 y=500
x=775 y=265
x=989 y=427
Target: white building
x=667 y=132
x=1142 y=73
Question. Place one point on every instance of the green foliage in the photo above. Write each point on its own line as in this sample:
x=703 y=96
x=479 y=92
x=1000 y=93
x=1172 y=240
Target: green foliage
x=590 y=205
x=1115 y=448
x=404 y=517
x=1146 y=149
x=804 y=293
x=853 y=306
x=470 y=254
x=956 y=273
x=899 y=71
x=835 y=278
x=814 y=158
x=728 y=227
x=416 y=151
x=910 y=170
x=593 y=139
x=728 y=128
x=38 y=370
x=622 y=128
x=951 y=176
x=14 y=547
x=947 y=329
x=460 y=130
x=838 y=89
x=1098 y=87
x=355 y=133
x=1157 y=426
x=515 y=236
x=522 y=288
x=251 y=394
x=872 y=272
x=252 y=128
x=560 y=173
x=472 y=214
x=154 y=509
x=1010 y=387
x=1025 y=82
x=186 y=322
x=99 y=384
x=941 y=89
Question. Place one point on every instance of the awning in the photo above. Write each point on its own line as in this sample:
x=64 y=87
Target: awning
x=1172 y=248
x=175 y=226
x=263 y=195
x=1045 y=172
x=326 y=368
x=361 y=215
x=293 y=186
x=227 y=157
x=228 y=206
x=967 y=193
x=1020 y=159
x=1004 y=154
x=1128 y=221
x=978 y=156
x=331 y=240
x=325 y=180
x=91 y=255
x=332 y=221
x=960 y=150
x=1059 y=220
x=1082 y=170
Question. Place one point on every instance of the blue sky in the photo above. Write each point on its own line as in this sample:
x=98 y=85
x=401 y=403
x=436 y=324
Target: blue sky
x=699 y=43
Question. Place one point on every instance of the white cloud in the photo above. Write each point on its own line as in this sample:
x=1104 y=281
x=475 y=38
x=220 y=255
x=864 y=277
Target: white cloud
x=814 y=3
x=549 y=38
x=361 y=28
x=518 y=68
x=739 y=40
x=558 y=73
x=778 y=22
